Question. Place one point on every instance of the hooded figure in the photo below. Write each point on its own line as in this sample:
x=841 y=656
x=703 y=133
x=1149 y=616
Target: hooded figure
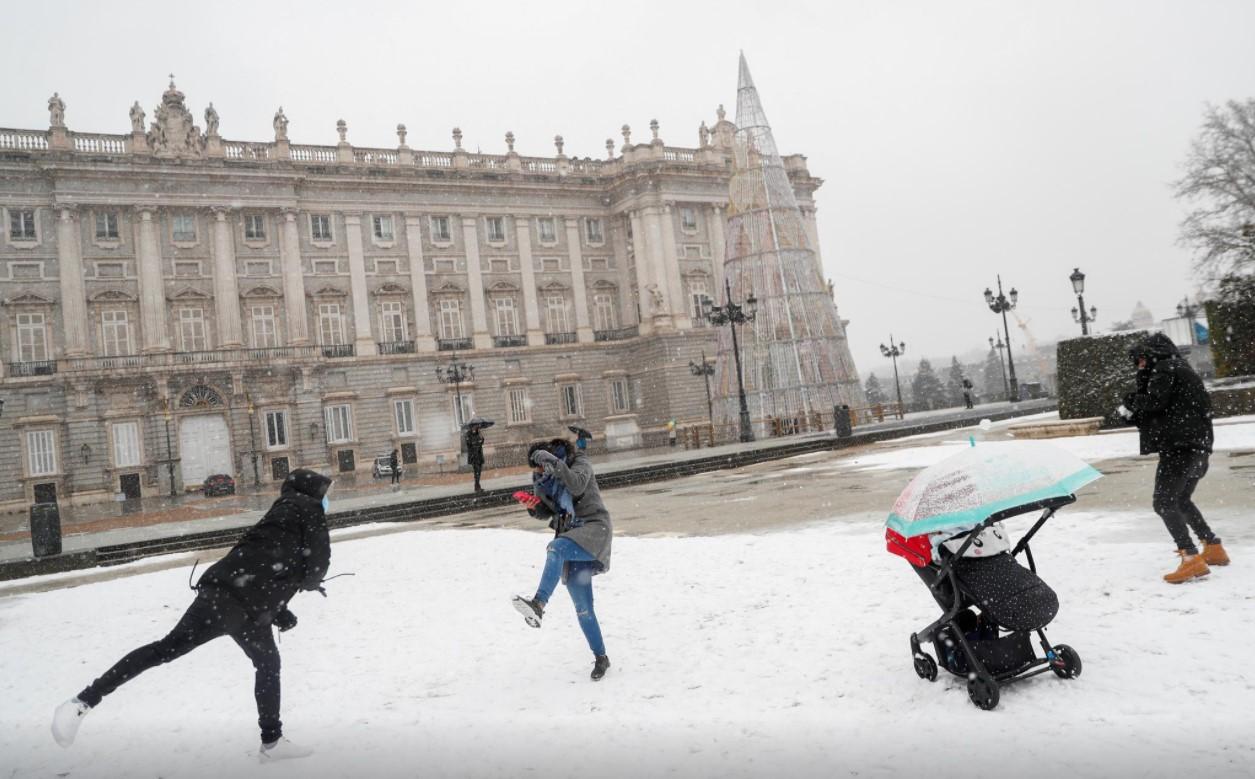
x=241 y=596
x=1172 y=412
x=564 y=483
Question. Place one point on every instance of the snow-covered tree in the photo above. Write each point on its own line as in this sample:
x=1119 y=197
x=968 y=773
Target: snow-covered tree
x=995 y=385
x=875 y=394
x=927 y=391
x=954 y=383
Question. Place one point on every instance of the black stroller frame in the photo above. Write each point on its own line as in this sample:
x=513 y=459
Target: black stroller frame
x=983 y=686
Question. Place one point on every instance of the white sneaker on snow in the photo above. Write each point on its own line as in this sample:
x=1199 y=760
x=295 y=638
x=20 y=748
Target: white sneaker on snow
x=282 y=750
x=66 y=719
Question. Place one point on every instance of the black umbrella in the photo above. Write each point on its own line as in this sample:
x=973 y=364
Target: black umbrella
x=580 y=432
x=480 y=422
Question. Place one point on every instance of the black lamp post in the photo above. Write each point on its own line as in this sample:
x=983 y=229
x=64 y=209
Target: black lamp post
x=1001 y=305
x=895 y=350
x=705 y=369
x=733 y=314
x=252 y=441
x=1189 y=311
x=1 y=407
x=165 y=414
x=456 y=374
x=1079 y=314
x=1002 y=366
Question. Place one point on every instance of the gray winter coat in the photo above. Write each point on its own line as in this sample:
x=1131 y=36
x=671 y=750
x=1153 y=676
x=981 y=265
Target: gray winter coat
x=596 y=532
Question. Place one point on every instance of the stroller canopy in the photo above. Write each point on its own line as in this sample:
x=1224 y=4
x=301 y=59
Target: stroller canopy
x=965 y=489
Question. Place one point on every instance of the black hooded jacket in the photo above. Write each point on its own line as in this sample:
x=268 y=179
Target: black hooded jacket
x=287 y=551
x=1171 y=407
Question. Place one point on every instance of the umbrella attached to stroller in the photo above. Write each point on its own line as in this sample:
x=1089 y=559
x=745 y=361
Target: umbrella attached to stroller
x=943 y=523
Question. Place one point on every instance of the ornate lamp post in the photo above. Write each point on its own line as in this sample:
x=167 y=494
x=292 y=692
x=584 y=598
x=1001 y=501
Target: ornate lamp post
x=165 y=414
x=705 y=369
x=733 y=314
x=252 y=440
x=1001 y=304
x=1079 y=314
x=895 y=351
x=457 y=373
x=1002 y=366
x=1189 y=311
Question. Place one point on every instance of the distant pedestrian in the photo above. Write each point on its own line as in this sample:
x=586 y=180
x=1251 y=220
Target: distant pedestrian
x=240 y=596
x=564 y=490
x=671 y=432
x=1172 y=412
x=967 y=392
x=475 y=453
x=394 y=466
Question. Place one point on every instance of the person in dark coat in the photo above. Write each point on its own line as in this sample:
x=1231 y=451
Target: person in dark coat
x=582 y=437
x=565 y=491
x=241 y=596
x=967 y=392
x=1172 y=412
x=475 y=453
x=394 y=465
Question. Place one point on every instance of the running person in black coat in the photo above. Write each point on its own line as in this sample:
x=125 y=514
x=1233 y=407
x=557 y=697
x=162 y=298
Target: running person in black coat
x=1172 y=412
x=240 y=596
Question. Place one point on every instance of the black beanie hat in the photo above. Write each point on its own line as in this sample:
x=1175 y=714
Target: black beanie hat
x=307 y=482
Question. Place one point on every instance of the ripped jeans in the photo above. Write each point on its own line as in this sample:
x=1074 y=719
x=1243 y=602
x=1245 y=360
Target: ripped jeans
x=579 y=583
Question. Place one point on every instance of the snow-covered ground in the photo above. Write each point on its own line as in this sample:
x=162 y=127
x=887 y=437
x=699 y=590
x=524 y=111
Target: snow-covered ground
x=779 y=654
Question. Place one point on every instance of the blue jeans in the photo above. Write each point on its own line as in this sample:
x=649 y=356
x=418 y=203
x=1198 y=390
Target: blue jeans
x=580 y=566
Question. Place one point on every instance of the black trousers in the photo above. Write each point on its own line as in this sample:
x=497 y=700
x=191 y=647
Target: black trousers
x=396 y=475
x=211 y=615
x=1179 y=472
x=478 y=469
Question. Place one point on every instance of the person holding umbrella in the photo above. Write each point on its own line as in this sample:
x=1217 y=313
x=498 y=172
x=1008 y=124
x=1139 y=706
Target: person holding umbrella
x=582 y=437
x=474 y=440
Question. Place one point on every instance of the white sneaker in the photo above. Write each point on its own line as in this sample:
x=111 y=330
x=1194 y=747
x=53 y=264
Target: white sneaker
x=66 y=719
x=282 y=750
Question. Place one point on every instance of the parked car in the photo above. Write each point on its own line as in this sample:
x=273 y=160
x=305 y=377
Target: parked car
x=382 y=469
x=218 y=484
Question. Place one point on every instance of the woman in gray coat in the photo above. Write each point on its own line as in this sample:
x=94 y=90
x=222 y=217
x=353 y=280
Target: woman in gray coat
x=564 y=490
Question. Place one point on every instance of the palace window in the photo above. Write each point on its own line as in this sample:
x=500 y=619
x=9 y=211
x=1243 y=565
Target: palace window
x=115 y=333
x=555 y=314
x=440 y=229
x=106 y=225
x=22 y=224
x=126 y=452
x=265 y=333
x=330 y=324
x=697 y=298
x=688 y=218
x=320 y=227
x=451 y=319
x=463 y=409
x=254 y=227
x=392 y=321
x=496 y=228
x=339 y=421
x=593 y=232
x=507 y=316
x=192 y=330
x=32 y=338
x=183 y=228
x=545 y=228
x=569 y=398
x=276 y=429
x=403 y=413
x=603 y=311
x=520 y=407
x=382 y=227
x=620 y=402
x=41 y=452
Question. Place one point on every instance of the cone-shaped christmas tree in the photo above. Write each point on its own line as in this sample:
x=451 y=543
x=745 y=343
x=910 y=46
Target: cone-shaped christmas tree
x=794 y=353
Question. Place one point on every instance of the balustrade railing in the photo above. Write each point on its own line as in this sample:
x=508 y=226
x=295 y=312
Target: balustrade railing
x=427 y=159
x=505 y=341
x=453 y=344
x=537 y=165
x=33 y=368
x=486 y=161
x=235 y=150
x=375 y=156
x=23 y=140
x=616 y=335
x=313 y=153
x=100 y=144
x=679 y=155
x=395 y=347
x=559 y=338
x=336 y=351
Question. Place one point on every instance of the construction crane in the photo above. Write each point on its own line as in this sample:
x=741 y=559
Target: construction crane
x=1034 y=354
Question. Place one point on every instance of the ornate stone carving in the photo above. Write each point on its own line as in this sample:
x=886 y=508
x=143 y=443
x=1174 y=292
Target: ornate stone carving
x=703 y=135
x=281 y=125
x=558 y=143
x=401 y=132
x=610 y=148
x=653 y=128
x=627 y=134
x=211 y=120
x=174 y=133
x=457 y=138
x=656 y=301
x=719 y=112
x=342 y=127
x=137 y=118
x=509 y=141
x=200 y=396
x=56 y=111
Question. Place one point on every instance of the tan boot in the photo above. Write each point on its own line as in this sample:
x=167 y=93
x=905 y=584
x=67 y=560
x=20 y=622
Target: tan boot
x=1192 y=566
x=1214 y=554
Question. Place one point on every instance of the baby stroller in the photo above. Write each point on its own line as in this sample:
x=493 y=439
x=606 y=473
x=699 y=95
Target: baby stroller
x=992 y=606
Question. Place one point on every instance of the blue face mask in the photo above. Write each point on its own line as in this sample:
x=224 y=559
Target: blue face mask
x=326 y=505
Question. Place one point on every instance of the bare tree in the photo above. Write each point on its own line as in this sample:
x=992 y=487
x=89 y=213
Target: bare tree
x=1219 y=183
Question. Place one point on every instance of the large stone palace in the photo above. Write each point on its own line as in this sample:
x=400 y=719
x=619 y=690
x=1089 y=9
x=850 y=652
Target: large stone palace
x=176 y=305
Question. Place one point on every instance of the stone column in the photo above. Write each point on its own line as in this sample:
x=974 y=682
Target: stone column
x=531 y=307
x=671 y=266
x=644 y=276
x=363 y=342
x=717 y=224
x=293 y=279
x=423 y=340
x=73 y=292
x=583 y=331
x=152 y=293
x=475 y=283
x=657 y=268
x=617 y=235
x=226 y=285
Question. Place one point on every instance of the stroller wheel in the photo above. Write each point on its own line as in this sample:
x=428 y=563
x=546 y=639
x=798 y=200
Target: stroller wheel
x=1067 y=664
x=926 y=667
x=983 y=691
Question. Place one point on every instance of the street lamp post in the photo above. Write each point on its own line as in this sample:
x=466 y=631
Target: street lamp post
x=252 y=441
x=895 y=350
x=705 y=369
x=733 y=314
x=1079 y=314
x=1002 y=366
x=456 y=374
x=1189 y=311
x=165 y=414
x=1001 y=305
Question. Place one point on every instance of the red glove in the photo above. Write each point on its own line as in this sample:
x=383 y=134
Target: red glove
x=528 y=500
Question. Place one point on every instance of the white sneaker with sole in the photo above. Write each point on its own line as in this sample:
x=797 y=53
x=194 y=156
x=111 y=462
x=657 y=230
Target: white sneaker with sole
x=66 y=719
x=282 y=750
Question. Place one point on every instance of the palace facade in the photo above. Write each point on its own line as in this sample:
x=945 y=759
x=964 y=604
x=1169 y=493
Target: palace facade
x=176 y=305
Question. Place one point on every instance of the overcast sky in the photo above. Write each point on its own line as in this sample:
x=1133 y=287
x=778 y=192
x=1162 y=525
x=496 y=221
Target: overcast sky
x=957 y=140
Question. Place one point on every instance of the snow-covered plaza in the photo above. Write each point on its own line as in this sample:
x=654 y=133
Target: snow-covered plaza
x=781 y=650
